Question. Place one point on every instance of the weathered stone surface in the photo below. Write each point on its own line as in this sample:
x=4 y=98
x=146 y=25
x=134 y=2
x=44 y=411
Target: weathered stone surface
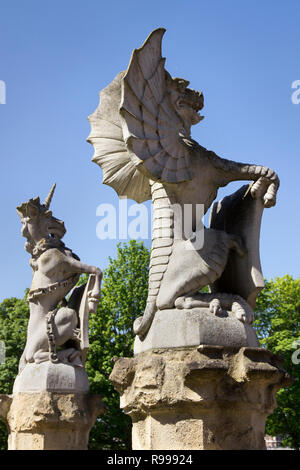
x=198 y=379
x=141 y=133
x=210 y=397
x=50 y=407
x=52 y=378
x=184 y=328
x=57 y=328
x=50 y=421
x=5 y=402
x=240 y=214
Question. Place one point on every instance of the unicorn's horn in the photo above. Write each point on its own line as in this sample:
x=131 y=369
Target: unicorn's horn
x=49 y=197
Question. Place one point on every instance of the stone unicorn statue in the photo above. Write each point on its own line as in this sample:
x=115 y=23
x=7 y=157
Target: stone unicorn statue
x=57 y=329
x=141 y=137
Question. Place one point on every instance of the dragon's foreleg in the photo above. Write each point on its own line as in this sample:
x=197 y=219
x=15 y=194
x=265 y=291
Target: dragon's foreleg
x=266 y=181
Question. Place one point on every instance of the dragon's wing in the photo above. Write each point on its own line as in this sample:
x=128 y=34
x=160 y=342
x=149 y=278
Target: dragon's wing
x=135 y=131
x=151 y=127
x=111 y=154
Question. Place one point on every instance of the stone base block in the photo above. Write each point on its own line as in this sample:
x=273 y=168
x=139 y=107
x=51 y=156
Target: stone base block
x=51 y=378
x=50 y=421
x=200 y=398
x=185 y=328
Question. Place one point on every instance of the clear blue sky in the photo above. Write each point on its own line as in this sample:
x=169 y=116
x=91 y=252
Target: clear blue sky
x=55 y=56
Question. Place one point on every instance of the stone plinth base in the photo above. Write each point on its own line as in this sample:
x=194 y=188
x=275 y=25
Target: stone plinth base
x=51 y=378
x=206 y=397
x=49 y=421
x=176 y=328
x=50 y=409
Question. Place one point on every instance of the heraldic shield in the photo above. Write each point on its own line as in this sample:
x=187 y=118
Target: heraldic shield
x=240 y=214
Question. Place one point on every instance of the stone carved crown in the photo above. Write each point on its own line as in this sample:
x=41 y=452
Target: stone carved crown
x=33 y=207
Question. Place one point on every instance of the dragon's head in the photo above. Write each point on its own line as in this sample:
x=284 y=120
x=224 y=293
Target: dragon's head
x=38 y=223
x=187 y=102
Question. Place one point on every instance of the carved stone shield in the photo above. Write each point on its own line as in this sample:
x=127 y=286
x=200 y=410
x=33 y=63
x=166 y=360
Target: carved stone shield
x=240 y=214
x=84 y=311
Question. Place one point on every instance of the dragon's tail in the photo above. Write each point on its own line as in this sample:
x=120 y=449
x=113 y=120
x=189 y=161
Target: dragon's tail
x=142 y=324
x=162 y=245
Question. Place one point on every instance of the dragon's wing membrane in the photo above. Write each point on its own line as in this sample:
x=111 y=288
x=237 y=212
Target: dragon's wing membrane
x=111 y=154
x=151 y=127
x=135 y=130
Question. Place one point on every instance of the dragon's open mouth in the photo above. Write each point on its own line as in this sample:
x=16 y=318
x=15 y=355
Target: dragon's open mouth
x=196 y=118
x=195 y=100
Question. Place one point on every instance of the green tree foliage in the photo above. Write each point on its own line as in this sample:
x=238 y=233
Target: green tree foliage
x=278 y=326
x=124 y=294
x=14 y=315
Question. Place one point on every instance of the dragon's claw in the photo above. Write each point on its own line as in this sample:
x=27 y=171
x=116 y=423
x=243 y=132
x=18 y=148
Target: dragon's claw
x=215 y=307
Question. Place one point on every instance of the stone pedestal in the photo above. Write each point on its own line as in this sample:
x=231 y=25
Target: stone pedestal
x=51 y=421
x=176 y=328
x=204 y=398
x=50 y=409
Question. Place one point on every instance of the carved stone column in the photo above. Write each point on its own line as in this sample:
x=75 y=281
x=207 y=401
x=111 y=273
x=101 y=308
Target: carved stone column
x=205 y=397
x=50 y=408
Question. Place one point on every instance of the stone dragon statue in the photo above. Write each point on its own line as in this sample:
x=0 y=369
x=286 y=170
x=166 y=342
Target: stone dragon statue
x=57 y=328
x=141 y=137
